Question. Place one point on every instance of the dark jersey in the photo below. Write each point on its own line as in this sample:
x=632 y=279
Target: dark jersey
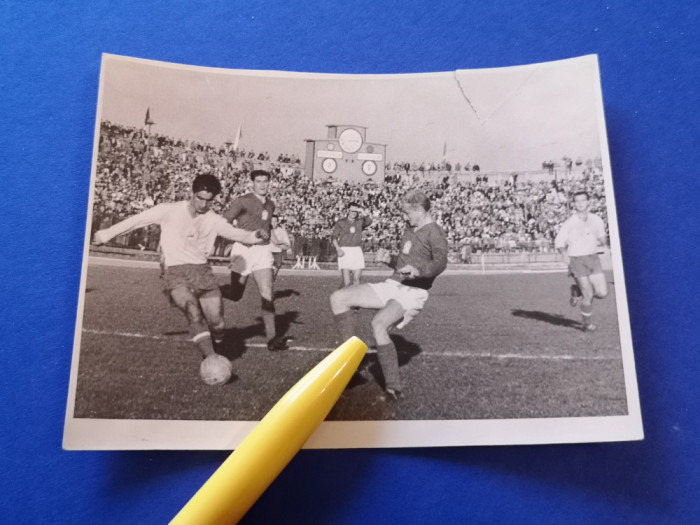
x=349 y=233
x=426 y=250
x=250 y=213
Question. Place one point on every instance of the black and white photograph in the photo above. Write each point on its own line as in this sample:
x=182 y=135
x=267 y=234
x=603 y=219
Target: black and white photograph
x=243 y=224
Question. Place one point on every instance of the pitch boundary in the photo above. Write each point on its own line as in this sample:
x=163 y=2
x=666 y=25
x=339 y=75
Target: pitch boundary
x=479 y=355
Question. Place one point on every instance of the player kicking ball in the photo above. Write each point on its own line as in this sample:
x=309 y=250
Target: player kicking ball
x=188 y=232
x=253 y=212
x=579 y=240
x=422 y=257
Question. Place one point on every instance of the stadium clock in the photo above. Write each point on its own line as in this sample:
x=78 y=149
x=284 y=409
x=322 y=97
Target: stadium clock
x=329 y=165
x=350 y=140
x=369 y=168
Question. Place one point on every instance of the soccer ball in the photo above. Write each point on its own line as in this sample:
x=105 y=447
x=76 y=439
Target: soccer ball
x=215 y=370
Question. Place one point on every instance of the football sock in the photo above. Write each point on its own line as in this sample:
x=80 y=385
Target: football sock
x=389 y=361
x=269 y=322
x=217 y=333
x=237 y=288
x=268 y=316
x=586 y=313
x=204 y=343
x=345 y=324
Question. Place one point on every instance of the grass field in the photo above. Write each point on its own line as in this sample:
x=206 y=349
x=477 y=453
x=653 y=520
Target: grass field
x=485 y=346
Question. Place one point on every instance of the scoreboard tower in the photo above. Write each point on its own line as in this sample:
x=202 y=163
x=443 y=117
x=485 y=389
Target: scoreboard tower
x=345 y=155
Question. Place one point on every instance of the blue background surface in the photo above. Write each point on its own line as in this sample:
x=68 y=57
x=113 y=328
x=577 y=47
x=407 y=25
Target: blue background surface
x=649 y=58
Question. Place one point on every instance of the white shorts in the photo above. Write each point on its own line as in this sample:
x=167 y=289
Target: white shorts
x=248 y=259
x=353 y=259
x=410 y=298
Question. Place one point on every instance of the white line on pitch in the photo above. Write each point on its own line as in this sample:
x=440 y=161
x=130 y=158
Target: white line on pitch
x=483 y=355
x=372 y=271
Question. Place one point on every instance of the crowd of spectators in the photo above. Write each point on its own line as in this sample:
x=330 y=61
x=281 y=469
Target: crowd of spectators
x=136 y=170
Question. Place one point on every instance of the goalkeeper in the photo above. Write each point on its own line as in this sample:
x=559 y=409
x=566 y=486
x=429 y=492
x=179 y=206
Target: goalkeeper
x=422 y=257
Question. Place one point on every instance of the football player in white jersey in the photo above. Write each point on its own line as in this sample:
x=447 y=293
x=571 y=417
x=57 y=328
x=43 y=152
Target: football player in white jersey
x=188 y=232
x=579 y=240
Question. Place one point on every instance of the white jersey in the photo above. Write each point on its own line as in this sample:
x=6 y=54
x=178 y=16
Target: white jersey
x=581 y=237
x=184 y=238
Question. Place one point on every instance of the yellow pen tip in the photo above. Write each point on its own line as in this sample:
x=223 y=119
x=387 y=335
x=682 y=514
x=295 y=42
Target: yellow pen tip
x=249 y=470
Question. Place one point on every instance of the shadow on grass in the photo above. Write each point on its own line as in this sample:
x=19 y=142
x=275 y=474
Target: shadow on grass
x=555 y=319
x=235 y=337
x=282 y=294
x=406 y=350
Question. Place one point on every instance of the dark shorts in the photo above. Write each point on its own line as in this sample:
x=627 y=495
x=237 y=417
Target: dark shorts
x=198 y=278
x=585 y=265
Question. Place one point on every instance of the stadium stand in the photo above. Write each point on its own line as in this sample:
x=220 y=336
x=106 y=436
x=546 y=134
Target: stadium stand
x=136 y=170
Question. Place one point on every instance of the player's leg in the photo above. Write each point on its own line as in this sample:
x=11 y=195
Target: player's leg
x=240 y=269
x=343 y=303
x=237 y=287
x=186 y=301
x=574 y=292
x=586 y=287
x=600 y=285
x=577 y=268
x=356 y=274
x=264 y=279
x=213 y=310
x=346 y=277
x=279 y=260
x=382 y=322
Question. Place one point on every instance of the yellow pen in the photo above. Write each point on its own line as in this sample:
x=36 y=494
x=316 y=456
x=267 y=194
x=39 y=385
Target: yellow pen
x=249 y=470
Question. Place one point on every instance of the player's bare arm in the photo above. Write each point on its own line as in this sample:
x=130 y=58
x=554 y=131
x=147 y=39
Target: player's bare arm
x=140 y=220
x=100 y=237
x=231 y=233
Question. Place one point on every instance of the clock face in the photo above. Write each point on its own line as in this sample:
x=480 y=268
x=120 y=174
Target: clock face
x=329 y=165
x=369 y=168
x=350 y=140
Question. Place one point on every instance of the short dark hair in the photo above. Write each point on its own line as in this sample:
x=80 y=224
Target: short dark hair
x=353 y=203
x=206 y=182
x=260 y=173
x=416 y=198
x=581 y=192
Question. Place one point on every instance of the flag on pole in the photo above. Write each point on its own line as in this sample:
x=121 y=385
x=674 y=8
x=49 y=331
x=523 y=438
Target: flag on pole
x=444 y=152
x=239 y=136
x=148 y=121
